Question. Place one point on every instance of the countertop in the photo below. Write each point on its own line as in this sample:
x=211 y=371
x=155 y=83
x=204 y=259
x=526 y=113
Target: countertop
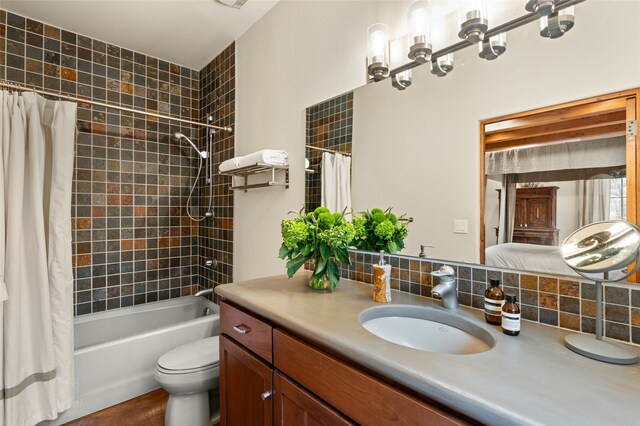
x=528 y=379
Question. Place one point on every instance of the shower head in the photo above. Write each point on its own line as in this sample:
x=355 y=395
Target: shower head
x=180 y=136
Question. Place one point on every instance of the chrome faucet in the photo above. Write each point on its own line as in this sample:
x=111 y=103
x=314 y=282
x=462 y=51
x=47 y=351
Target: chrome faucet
x=206 y=292
x=447 y=288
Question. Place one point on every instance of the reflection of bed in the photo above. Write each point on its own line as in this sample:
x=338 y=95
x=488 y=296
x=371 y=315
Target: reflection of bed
x=528 y=257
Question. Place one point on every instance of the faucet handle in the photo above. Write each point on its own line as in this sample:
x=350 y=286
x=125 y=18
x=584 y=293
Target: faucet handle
x=444 y=271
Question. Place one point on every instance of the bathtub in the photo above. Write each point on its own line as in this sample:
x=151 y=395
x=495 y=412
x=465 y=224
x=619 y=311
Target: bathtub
x=116 y=351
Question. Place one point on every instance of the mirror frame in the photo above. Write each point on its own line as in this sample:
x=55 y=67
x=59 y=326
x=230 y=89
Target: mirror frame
x=626 y=101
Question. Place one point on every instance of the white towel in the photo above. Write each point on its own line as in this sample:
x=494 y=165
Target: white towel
x=273 y=157
x=336 y=182
x=307 y=164
x=3 y=292
x=230 y=164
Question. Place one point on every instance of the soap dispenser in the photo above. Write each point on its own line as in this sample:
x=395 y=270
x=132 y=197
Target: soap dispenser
x=382 y=281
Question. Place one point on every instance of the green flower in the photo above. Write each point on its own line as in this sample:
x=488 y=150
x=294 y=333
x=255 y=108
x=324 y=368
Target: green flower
x=326 y=220
x=317 y=212
x=340 y=235
x=360 y=227
x=294 y=232
x=379 y=217
x=385 y=230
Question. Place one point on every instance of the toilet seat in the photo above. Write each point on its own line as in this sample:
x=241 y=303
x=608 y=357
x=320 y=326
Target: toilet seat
x=193 y=357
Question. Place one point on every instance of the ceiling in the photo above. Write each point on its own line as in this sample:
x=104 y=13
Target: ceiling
x=185 y=32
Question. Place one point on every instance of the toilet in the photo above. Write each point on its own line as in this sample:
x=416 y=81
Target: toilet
x=189 y=373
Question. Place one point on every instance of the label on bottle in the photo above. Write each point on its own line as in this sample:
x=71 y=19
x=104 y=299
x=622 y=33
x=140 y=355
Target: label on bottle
x=511 y=321
x=493 y=307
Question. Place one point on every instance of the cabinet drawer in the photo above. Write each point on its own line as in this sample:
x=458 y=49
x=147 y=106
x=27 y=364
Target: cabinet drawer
x=359 y=396
x=254 y=334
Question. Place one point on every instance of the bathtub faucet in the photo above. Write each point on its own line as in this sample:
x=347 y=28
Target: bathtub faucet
x=205 y=292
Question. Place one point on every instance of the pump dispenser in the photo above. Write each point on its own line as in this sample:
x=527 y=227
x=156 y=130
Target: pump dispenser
x=382 y=281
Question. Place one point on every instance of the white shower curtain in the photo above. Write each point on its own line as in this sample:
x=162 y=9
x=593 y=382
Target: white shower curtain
x=594 y=197
x=36 y=319
x=508 y=193
x=336 y=182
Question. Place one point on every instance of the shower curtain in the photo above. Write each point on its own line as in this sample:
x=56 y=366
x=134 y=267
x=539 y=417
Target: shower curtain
x=336 y=182
x=507 y=208
x=36 y=319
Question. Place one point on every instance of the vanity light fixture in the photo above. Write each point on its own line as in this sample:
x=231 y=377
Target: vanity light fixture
x=378 y=51
x=558 y=23
x=442 y=66
x=472 y=17
x=494 y=47
x=419 y=32
x=401 y=80
x=541 y=7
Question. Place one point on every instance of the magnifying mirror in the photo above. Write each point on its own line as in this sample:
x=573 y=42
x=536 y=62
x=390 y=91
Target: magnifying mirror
x=602 y=252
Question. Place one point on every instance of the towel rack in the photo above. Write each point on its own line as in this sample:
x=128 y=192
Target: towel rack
x=255 y=169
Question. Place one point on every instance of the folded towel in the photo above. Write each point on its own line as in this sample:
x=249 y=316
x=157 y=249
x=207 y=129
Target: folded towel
x=307 y=164
x=273 y=157
x=230 y=164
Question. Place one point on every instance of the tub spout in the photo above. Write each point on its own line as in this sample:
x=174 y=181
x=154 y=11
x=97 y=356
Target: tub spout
x=205 y=292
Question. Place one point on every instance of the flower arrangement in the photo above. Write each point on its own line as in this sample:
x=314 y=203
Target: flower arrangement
x=320 y=236
x=380 y=230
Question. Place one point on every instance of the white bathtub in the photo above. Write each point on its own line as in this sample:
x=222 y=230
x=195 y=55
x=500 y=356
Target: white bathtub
x=116 y=351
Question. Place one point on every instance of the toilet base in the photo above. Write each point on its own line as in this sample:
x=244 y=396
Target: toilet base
x=192 y=409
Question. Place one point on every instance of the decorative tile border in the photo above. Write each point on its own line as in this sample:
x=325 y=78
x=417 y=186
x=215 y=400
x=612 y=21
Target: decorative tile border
x=552 y=300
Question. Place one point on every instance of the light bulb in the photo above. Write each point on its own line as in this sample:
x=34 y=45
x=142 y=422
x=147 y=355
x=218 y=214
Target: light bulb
x=378 y=51
x=419 y=37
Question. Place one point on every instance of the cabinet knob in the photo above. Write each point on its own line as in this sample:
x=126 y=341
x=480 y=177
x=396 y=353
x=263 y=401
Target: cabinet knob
x=266 y=395
x=241 y=328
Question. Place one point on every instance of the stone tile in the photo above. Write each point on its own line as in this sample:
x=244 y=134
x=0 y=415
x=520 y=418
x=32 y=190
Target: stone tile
x=569 y=288
x=588 y=325
x=548 y=300
x=529 y=282
x=529 y=297
x=464 y=272
x=549 y=316
x=569 y=305
x=635 y=335
x=616 y=313
x=635 y=317
x=617 y=331
x=511 y=279
x=548 y=284
x=588 y=291
x=570 y=321
x=617 y=295
x=588 y=308
x=494 y=275
x=479 y=275
x=635 y=298
x=529 y=312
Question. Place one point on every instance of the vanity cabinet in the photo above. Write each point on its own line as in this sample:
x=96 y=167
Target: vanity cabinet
x=278 y=378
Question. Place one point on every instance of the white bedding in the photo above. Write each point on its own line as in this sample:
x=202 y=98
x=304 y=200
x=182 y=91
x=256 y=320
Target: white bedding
x=528 y=257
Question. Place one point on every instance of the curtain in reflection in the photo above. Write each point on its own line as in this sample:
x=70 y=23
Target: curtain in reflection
x=507 y=208
x=594 y=197
x=336 y=182
x=36 y=278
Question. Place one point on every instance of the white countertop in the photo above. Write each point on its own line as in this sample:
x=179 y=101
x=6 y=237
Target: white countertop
x=529 y=379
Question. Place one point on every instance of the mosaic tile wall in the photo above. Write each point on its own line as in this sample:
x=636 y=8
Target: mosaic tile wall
x=330 y=126
x=557 y=301
x=132 y=240
x=215 y=238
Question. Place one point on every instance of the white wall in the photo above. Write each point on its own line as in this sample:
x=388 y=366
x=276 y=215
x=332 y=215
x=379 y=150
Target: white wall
x=301 y=53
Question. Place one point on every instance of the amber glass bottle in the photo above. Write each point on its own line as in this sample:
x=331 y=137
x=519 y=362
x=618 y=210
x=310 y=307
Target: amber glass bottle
x=493 y=301
x=511 y=316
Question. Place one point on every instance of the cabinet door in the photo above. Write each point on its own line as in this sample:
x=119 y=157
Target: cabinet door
x=246 y=385
x=538 y=213
x=520 y=217
x=295 y=406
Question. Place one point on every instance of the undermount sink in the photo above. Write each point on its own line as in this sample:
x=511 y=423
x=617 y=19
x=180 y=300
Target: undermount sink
x=426 y=329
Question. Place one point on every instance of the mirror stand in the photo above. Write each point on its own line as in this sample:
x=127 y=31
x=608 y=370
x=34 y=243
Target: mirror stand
x=596 y=348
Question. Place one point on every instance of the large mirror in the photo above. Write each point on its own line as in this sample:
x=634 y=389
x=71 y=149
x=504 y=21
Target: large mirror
x=500 y=160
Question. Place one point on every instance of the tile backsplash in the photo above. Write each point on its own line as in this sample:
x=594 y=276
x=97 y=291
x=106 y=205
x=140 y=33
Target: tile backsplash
x=132 y=239
x=557 y=301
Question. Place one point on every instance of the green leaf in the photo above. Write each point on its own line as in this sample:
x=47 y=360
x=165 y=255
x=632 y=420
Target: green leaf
x=320 y=267
x=284 y=252
x=307 y=249
x=325 y=251
x=334 y=273
x=392 y=247
x=342 y=254
x=294 y=264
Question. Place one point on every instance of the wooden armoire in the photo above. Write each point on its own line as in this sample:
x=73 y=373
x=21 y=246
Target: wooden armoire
x=535 y=217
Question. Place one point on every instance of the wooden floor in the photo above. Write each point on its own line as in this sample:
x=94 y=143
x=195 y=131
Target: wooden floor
x=147 y=410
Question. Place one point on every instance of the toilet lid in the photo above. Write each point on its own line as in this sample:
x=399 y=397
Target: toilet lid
x=193 y=355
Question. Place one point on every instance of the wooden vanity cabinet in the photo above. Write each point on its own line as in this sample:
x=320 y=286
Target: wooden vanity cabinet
x=296 y=383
